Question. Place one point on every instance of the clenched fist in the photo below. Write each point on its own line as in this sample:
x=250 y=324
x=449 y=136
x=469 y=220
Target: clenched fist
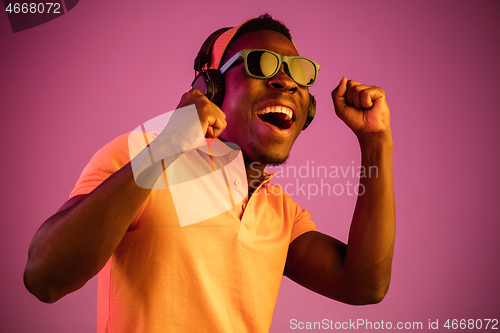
x=212 y=119
x=363 y=108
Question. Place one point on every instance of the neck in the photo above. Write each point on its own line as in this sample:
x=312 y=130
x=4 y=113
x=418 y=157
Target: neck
x=255 y=172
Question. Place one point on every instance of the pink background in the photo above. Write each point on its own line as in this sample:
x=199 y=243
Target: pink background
x=69 y=86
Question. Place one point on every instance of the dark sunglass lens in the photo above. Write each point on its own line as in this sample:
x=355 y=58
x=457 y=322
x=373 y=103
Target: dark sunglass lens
x=303 y=71
x=262 y=64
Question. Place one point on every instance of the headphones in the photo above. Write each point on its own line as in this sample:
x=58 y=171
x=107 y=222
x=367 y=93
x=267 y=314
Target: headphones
x=211 y=83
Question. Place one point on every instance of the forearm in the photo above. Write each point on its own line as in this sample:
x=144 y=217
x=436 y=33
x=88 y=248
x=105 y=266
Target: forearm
x=370 y=247
x=73 y=245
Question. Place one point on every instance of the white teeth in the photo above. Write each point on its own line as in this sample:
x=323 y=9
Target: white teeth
x=278 y=109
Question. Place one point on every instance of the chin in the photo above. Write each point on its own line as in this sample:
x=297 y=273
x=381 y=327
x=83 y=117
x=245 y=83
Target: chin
x=268 y=158
x=277 y=162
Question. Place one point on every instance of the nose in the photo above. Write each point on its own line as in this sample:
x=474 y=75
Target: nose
x=282 y=82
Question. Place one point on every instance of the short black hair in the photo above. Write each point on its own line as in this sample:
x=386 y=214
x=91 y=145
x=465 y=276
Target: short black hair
x=263 y=22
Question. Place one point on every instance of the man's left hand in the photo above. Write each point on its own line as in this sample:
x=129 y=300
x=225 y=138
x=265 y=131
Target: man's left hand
x=363 y=108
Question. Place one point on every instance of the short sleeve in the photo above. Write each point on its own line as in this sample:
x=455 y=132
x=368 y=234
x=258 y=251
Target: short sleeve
x=109 y=159
x=302 y=224
x=299 y=218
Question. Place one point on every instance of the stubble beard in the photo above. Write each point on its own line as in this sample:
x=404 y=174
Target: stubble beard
x=267 y=158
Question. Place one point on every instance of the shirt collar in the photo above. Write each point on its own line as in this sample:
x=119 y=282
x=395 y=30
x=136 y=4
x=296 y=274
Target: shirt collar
x=218 y=148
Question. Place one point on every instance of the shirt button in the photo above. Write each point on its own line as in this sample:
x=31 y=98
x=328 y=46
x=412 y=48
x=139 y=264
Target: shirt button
x=232 y=157
x=238 y=182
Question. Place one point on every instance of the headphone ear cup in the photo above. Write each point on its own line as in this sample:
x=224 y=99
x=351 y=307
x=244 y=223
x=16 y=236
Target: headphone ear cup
x=218 y=86
x=311 y=112
x=211 y=84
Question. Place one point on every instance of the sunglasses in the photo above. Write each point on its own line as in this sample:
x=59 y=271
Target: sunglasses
x=264 y=64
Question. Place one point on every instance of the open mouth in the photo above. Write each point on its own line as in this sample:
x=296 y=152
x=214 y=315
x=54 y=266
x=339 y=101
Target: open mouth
x=279 y=116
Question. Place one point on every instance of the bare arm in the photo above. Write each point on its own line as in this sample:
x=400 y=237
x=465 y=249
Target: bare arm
x=74 y=244
x=359 y=272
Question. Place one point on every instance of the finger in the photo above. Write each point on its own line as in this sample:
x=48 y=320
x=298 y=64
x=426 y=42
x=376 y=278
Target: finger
x=338 y=95
x=370 y=96
x=341 y=88
x=353 y=90
x=355 y=97
x=361 y=96
x=216 y=128
x=213 y=120
x=190 y=97
x=351 y=87
x=220 y=113
x=365 y=99
x=348 y=94
x=210 y=133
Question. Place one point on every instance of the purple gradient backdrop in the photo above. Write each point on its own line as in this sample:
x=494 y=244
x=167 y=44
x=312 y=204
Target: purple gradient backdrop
x=69 y=86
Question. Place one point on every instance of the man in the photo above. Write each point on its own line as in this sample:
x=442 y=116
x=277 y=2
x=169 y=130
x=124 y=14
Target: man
x=222 y=274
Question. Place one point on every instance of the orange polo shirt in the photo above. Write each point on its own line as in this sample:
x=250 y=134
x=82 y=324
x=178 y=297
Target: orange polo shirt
x=218 y=275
